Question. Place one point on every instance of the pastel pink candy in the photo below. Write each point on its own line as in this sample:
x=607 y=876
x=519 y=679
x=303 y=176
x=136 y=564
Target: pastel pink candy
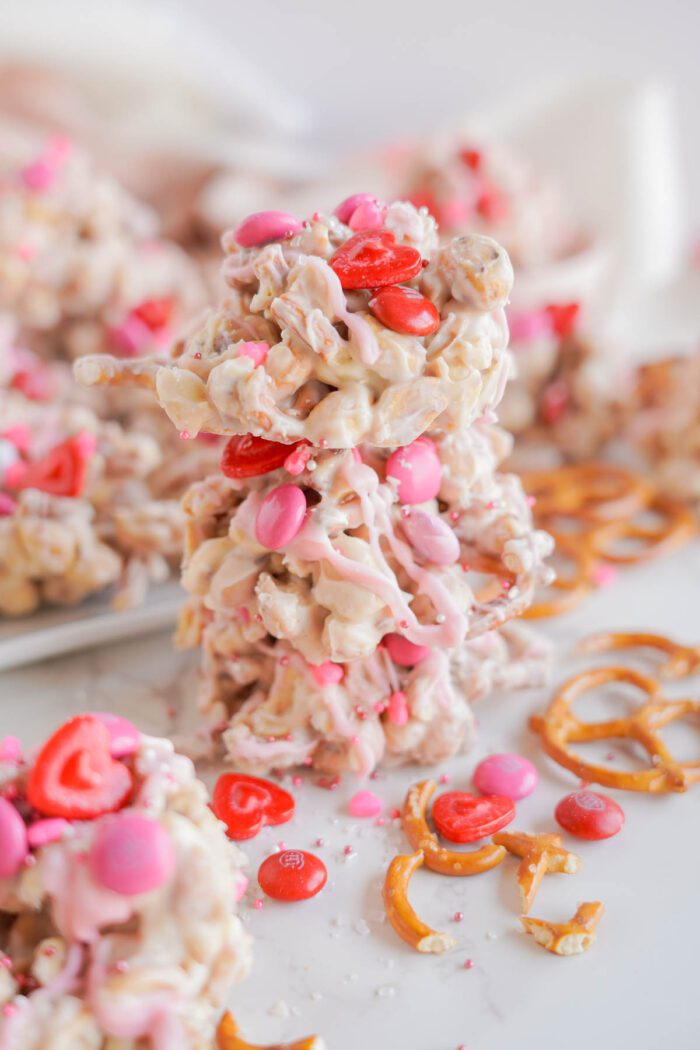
x=40 y=175
x=403 y=652
x=131 y=337
x=327 y=673
x=349 y=206
x=13 y=840
x=530 y=325
x=431 y=538
x=365 y=804
x=265 y=226
x=10 y=749
x=280 y=516
x=397 y=708
x=416 y=468
x=42 y=832
x=257 y=352
x=7 y=505
x=131 y=854
x=367 y=216
x=454 y=212
x=125 y=738
x=506 y=774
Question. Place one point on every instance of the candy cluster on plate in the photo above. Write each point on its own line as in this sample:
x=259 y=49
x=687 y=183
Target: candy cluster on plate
x=348 y=563
x=118 y=885
x=89 y=480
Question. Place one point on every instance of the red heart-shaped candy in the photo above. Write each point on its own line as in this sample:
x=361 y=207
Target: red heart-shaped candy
x=61 y=472
x=461 y=817
x=75 y=776
x=247 y=804
x=373 y=259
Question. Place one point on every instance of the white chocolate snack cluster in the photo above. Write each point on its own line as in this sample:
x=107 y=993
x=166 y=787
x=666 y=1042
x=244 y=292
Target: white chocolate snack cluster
x=340 y=337
x=118 y=923
x=82 y=267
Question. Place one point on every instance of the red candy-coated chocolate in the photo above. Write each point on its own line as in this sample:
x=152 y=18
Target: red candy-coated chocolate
x=472 y=158
x=461 y=817
x=75 y=776
x=563 y=317
x=589 y=815
x=155 y=313
x=247 y=804
x=246 y=456
x=405 y=310
x=61 y=472
x=292 y=875
x=373 y=259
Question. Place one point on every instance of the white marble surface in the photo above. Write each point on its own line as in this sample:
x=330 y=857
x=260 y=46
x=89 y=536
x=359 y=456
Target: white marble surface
x=333 y=967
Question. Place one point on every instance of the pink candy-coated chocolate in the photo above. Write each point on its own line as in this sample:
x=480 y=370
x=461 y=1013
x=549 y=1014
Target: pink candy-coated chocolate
x=125 y=738
x=367 y=216
x=131 y=854
x=416 y=468
x=39 y=176
x=397 y=707
x=531 y=325
x=403 y=652
x=265 y=226
x=42 y=832
x=365 y=804
x=13 y=840
x=131 y=337
x=431 y=538
x=349 y=206
x=7 y=505
x=257 y=352
x=280 y=516
x=509 y=775
x=11 y=749
x=327 y=673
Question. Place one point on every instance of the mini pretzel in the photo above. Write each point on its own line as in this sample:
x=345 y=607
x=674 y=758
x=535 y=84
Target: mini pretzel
x=560 y=727
x=435 y=857
x=400 y=913
x=541 y=855
x=567 y=938
x=597 y=492
x=565 y=592
x=228 y=1038
x=683 y=660
x=675 y=529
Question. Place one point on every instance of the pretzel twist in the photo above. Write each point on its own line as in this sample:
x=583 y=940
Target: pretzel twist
x=682 y=661
x=436 y=857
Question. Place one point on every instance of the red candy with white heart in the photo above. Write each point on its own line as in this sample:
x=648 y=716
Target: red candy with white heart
x=292 y=875
x=589 y=815
x=373 y=259
x=75 y=776
x=247 y=804
x=405 y=310
x=461 y=817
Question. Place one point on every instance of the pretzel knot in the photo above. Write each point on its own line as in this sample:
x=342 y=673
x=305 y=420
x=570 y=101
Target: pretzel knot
x=681 y=660
x=595 y=492
x=559 y=728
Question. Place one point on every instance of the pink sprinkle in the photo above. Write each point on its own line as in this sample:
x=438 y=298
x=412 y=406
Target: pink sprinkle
x=323 y=443
x=365 y=804
x=240 y=886
x=29 y=861
x=39 y=176
x=468 y=964
x=197 y=356
x=605 y=575
x=49 y=951
x=284 y=661
x=26 y=251
x=320 y=842
x=354 y=740
x=257 y=352
x=348 y=851
x=360 y=713
x=281 y=845
x=121 y=966
x=398 y=709
x=466 y=567
x=184 y=435
x=454 y=515
x=380 y=706
x=458 y=916
x=9 y=1010
x=531 y=501
x=379 y=822
x=243 y=614
x=308 y=761
x=258 y=904
x=42 y=832
x=296 y=461
x=6 y=962
x=297 y=781
x=492 y=504
x=10 y=749
x=395 y=813
x=610 y=757
x=444 y=778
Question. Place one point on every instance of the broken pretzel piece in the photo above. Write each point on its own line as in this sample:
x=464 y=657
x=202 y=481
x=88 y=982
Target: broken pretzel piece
x=228 y=1037
x=436 y=857
x=567 y=938
x=541 y=855
x=400 y=913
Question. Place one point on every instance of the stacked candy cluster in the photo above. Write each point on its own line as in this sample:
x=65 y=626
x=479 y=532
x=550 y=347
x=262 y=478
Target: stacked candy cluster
x=351 y=568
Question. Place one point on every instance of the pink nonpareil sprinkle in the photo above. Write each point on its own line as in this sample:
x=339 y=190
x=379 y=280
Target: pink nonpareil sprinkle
x=468 y=964
x=458 y=916
x=395 y=813
x=379 y=822
x=10 y=749
x=258 y=904
x=605 y=575
x=348 y=851
x=297 y=781
x=320 y=842
x=184 y=435
x=444 y=778
x=26 y=251
x=121 y=966
x=243 y=614
x=365 y=804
